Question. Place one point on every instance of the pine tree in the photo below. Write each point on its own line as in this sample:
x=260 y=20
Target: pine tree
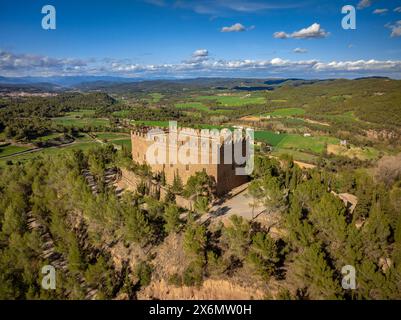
x=263 y=254
x=172 y=218
x=314 y=274
x=177 y=185
x=237 y=236
x=328 y=216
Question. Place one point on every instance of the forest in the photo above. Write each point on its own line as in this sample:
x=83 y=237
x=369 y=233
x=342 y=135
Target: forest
x=48 y=214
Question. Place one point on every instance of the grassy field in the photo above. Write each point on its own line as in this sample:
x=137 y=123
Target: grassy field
x=110 y=135
x=121 y=113
x=48 y=137
x=279 y=101
x=83 y=143
x=286 y=112
x=123 y=142
x=347 y=117
x=314 y=144
x=73 y=119
x=235 y=100
x=82 y=113
x=11 y=149
x=155 y=97
x=269 y=137
x=151 y=123
x=295 y=141
x=192 y=105
x=297 y=155
x=365 y=153
x=50 y=151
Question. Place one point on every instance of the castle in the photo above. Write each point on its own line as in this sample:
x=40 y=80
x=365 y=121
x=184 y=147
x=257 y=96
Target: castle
x=203 y=152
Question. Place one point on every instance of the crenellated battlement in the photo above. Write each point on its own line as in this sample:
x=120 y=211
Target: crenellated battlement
x=158 y=134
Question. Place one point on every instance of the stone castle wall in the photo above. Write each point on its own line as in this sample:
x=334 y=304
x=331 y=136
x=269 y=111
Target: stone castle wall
x=224 y=174
x=132 y=181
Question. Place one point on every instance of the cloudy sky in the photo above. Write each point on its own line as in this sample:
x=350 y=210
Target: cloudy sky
x=177 y=38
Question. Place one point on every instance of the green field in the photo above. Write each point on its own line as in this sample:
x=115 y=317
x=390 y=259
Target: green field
x=72 y=119
x=347 y=117
x=155 y=97
x=279 y=101
x=192 y=105
x=269 y=137
x=84 y=142
x=48 y=137
x=150 y=123
x=110 y=135
x=235 y=100
x=286 y=112
x=121 y=113
x=123 y=142
x=297 y=155
x=314 y=144
x=49 y=151
x=294 y=141
x=81 y=113
x=11 y=149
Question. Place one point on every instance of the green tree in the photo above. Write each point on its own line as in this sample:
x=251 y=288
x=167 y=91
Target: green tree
x=172 y=218
x=314 y=274
x=237 y=236
x=263 y=254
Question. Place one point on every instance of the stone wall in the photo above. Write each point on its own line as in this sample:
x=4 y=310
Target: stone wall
x=155 y=189
x=223 y=174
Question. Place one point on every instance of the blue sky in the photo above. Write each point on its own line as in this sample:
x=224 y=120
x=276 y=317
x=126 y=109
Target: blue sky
x=177 y=38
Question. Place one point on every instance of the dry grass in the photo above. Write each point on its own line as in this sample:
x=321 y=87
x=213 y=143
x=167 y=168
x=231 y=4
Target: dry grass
x=210 y=290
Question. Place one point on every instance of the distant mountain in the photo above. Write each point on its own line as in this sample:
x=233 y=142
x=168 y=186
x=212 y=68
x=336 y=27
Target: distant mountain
x=30 y=87
x=66 y=81
x=122 y=85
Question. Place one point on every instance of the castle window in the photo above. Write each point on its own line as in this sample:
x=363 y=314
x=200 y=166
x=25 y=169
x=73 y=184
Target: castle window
x=187 y=167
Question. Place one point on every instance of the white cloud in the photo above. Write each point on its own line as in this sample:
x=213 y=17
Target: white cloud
x=380 y=11
x=300 y=50
x=364 y=4
x=313 y=31
x=280 y=35
x=200 y=53
x=398 y=9
x=200 y=65
x=395 y=29
x=11 y=62
x=359 y=65
x=237 y=27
